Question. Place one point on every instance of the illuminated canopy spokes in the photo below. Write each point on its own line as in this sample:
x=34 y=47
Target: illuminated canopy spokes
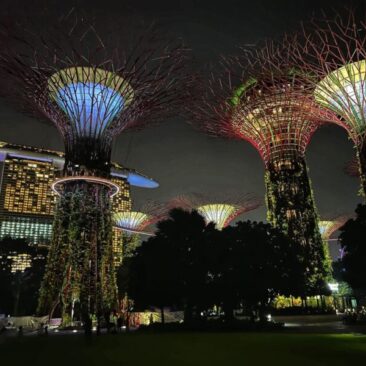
x=222 y=213
x=344 y=92
x=278 y=121
x=328 y=227
x=90 y=97
x=219 y=214
x=138 y=221
x=133 y=220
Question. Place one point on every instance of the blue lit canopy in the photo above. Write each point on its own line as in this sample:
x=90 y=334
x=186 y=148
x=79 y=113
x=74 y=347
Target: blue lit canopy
x=91 y=98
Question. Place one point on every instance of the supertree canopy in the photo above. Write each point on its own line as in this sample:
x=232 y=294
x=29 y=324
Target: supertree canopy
x=261 y=98
x=92 y=85
x=90 y=97
x=137 y=221
x=333 y=52
x=133 y=224
x=329 y=227
x=221 y=214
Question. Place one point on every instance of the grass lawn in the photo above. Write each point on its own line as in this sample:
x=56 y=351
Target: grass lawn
x=188 y=349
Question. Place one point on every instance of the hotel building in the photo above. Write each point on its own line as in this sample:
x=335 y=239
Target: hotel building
x=27 y=201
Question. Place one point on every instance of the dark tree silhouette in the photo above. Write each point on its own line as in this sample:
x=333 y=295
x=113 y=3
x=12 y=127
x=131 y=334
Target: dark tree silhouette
x=352 y=238
x=19 y=289
x=192 y=266
x=256 y=263
x=171 y=268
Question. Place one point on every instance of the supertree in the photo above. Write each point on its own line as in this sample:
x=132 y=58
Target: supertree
x=333 y=54
x=260 y=97
x=92 y=85
x=133 y=224
x=136 y=222
x=221 y=213
x=329 y=227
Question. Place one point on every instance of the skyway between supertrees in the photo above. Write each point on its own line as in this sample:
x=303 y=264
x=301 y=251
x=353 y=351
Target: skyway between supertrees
x=92 y=86
x=260 y=97
x=333 y=52
x=222 y=212
x=135 y=224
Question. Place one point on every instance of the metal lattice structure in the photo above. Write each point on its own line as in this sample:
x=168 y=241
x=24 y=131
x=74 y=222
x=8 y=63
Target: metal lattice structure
x=221 y=214
x=259 y=96
x=333 y=51
x=329 y=227
x=137 y=221
x=92 y=85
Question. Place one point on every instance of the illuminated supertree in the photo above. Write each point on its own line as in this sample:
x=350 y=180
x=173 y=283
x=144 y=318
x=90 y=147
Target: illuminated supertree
x=329 y=227
x=133 y=224
x=333 y=53
x=221 y=213
x=261 y=98
x=92 y=86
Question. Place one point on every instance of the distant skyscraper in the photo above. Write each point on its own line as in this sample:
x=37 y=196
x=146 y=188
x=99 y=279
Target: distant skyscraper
x=26 y=198
x=27 y=201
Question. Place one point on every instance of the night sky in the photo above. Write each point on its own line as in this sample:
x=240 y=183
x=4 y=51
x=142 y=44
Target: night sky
x=181 y=159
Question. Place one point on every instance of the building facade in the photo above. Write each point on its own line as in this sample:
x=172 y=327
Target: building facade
x=27 y=201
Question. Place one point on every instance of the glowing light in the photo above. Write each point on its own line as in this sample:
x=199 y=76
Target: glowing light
x=221 y=214
x=91 y=98
x=90 y=106
x=139 y=180
x=328 y=227
x=133 y=221
x=325 y=226
x=56 y=185
x=217 y=213
x=278 y=121
x=334 y=287
x=343 y=91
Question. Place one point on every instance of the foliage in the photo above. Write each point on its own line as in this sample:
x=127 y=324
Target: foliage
x=19 y=290
x=291 y=208
x=258 y=262
x=80 y=263
x=191 y=266
x=352 y=239
x=169 y=269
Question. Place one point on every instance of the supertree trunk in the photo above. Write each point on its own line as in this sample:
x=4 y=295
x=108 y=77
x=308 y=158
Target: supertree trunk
x=291 y=208
x=86 y=277
x=49 y=295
